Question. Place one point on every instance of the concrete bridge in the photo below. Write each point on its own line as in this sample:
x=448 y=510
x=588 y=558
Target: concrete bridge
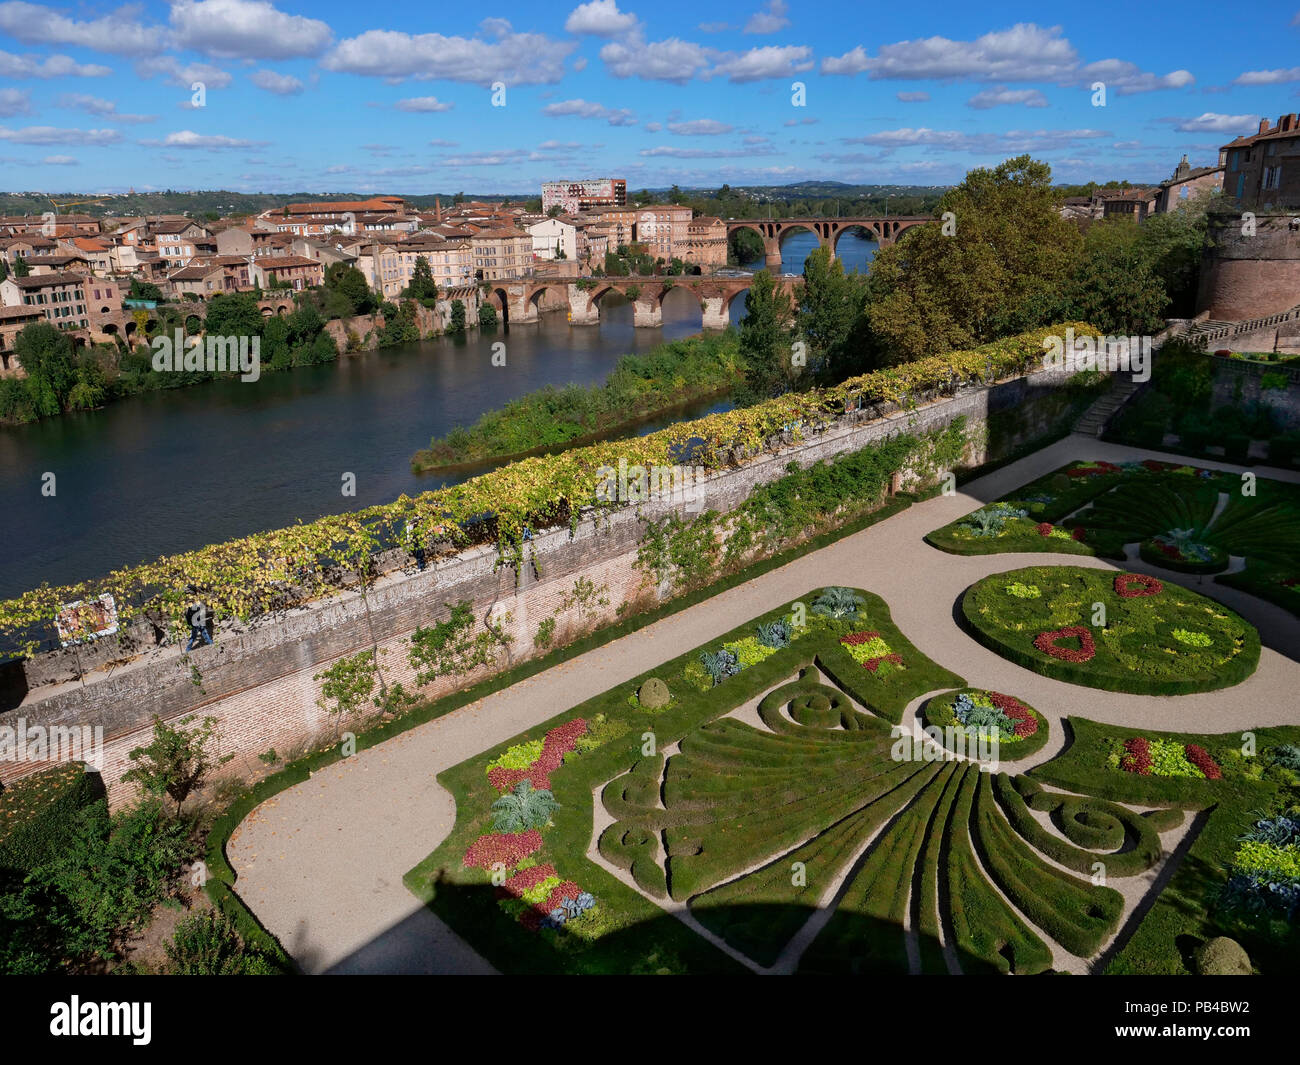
x=524 y=299
x=827 y=230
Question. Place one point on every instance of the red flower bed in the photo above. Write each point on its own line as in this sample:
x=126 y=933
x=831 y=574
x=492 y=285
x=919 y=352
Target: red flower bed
x=1046 y=642
x=509 y=848
x=1136 y=585
x=873 y=664
x=1098 y=469
x=526 y=880
x=1025 y=719
x=855 y=638
x=1079 y=533
x=1044 y=528
x=558 y=742
x=1137 y=756
x=567 y=890
x=1200 y=758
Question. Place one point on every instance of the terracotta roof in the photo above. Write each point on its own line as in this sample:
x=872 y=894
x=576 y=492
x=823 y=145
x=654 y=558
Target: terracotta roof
x=21 y=311
x=178 y=226
x=281 y=262
x=194 y=273
x=499 y=234
x=42 y=280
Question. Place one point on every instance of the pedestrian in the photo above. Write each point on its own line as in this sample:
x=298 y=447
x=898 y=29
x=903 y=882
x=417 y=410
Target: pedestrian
x=196 y=617
x=415 y=542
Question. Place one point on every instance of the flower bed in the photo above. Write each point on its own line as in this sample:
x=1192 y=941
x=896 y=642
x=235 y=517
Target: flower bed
x=870 y=651
x=1018 y=728
x=559 y=741
x=1122 y=632
x=1163 y=758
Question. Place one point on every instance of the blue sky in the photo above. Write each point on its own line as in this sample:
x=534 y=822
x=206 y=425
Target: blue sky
x=337 y=96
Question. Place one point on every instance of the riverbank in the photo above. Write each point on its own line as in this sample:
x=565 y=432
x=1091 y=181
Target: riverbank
x=640 y=388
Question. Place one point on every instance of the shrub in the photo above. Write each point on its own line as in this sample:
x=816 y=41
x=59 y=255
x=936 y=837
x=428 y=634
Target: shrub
x=207 y=944
x=1222 y=956
x=654 y=694
x=1236 y=447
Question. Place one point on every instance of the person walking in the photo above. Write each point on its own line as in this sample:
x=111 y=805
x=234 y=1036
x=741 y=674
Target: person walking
x=414 y=541
x=196 y=617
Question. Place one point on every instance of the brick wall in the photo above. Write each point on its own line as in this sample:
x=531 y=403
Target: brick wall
x=258 y=681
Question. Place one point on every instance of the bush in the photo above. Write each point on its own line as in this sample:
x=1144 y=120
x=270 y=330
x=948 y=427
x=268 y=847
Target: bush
x=38 y=813
x=1222 y=956
x=654 y=694
x=1283 y=448
x=207 y=944
x=1236 y=447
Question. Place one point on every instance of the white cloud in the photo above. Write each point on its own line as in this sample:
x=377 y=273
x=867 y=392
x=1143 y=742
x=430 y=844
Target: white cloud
x=1268 y=77
x=15 y=102
x=444 y=144
x=672 y=60
x=1127 y=78
x=913 y=97
x=423 y=104
x=1210 y=122
x=1004 y=97
x=118 y=33
x=580 y=64
x=183 y=74
x=769 y=19
x=590 y=109
x=1023 y=52
x=53 y=135
x=558 y=146
x=54 y=66
x=705 y=153
x=600 y=18
x=245 y=29
x=272 y=81
x=800 y=122
x=954 y=140
x=59 y=160
x=514 y=58
x=187 y=138
x=95 y=105
x=699 y=127
x=770 y=61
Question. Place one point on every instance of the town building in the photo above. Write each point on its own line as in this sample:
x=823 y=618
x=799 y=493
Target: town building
x=706 y=243
x=1187 y=183
x=662 y=229
x=293 y=271
x=582 y=195
x=502 y=253
x=1263 y=169
x=13 y=320
x=554 y=238
x=60 y=297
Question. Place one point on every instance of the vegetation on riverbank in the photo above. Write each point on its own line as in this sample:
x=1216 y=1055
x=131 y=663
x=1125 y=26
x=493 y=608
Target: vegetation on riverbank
x=638 y=387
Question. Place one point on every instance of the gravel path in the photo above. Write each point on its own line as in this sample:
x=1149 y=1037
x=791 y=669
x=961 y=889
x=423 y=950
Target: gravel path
x=321 y=864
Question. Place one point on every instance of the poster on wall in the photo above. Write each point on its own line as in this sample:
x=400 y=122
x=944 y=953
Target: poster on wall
x=86 y=620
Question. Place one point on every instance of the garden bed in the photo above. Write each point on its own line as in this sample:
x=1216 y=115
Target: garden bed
x=1117 y=631
x=1020 y=730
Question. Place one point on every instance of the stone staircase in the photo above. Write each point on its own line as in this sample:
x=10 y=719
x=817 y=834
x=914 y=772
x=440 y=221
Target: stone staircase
x=1094 y=420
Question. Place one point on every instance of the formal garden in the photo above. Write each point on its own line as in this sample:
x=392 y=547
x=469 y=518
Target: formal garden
x=772 y=802
x=1243 y=529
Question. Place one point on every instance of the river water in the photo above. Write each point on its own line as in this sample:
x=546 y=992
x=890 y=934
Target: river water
x=170 y=471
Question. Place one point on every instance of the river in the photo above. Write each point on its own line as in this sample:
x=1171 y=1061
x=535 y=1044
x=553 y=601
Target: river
x=171 y=471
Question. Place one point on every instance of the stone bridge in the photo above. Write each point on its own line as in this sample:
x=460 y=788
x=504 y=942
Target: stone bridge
x=827 y=230
x=522 y=300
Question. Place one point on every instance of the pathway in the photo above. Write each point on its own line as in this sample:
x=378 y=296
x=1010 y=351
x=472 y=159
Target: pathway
x=321 y=864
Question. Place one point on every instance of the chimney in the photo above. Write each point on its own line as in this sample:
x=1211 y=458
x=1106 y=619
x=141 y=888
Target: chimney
x=437 y=209
x=1263 y=125
x=1287 y=123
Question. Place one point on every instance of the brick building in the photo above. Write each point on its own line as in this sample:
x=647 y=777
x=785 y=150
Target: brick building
x=60 y=297
x=1263 y=169
x=706 y=243
x=502 y=253
x=1187 y=183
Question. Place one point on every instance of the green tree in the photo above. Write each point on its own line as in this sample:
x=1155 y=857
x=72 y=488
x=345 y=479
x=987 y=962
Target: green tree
x=349 y=285
x=1113 y=287
x=422 y=286
x=21 y=269
x=831 y=307
x=47 y=356
x=993 y=265
x=4 y=269
x=765 y=340
x=457 y=322
x=233 y=314
x=144 y=290
x=487 y=315
x=175 y=762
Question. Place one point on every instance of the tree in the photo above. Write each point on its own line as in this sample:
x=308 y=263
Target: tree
x=4 y=269
x=457 y=323
x=487 y=315
x=175 y=762
x=422 y=286
x=765 y=349
x=21 y=269
x=144 y=290
x=47 y=355
x=554 y=211
x=993 y=265
x=233 y=314
x=830 y=309
x=350 y=287
x=1113 y=287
